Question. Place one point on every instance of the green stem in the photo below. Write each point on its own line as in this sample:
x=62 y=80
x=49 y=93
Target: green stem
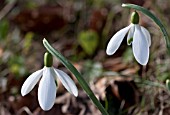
x=80 y=79
x=154 y=18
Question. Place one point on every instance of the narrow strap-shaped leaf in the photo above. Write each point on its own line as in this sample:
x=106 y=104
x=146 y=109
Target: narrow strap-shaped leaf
x=80 y=79
x=154 y=18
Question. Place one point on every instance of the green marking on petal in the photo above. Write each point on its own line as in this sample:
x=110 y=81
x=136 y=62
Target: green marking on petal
x=130 y=40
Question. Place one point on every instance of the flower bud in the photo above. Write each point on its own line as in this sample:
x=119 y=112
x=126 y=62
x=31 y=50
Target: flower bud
x=135 y=18
x=48 y=59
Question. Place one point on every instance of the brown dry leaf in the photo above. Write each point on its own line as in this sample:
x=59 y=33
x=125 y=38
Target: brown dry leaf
x=121 y=92
x=19 y=103
x=43 y=19
x=166 y=111
x=115 y=64
x=3 y=110
x=130 y=71
x=1 y=51
x=56 y=110
x=80 y=105
x=97 y=19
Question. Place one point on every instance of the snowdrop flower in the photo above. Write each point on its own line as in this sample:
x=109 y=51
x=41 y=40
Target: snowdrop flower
x=138 y=36
x=47 y=86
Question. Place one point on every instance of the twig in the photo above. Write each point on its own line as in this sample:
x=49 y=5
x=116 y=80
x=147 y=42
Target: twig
x=7 y=9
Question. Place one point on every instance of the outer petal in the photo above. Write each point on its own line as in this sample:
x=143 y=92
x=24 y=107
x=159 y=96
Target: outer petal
x=47 y=89
x=116 y=40
x=140 y=46
x=147 y=35
x=67 y=82
x=30 y=82
x=130 y=34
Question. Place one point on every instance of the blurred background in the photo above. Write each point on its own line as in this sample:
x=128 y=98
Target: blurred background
x=80 y=30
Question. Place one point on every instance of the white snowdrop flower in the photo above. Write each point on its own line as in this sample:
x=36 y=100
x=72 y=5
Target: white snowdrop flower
x=137 y=35
x=47 y=86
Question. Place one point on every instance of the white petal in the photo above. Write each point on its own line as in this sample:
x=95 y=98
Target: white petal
x=47 y=89
x=67 y=82
x=147 y=35
x=30 y=82
x=140 y=46
x=116 y=40
x=130 y=35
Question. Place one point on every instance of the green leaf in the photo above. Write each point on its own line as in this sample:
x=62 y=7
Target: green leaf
x=27 y=41
x=4 y=27
x=16 y=65
x=88 y=41
x=154 y=18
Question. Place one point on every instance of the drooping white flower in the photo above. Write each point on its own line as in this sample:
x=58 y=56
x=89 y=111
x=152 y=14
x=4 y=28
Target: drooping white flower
x=137 y=35
x=47 y=86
